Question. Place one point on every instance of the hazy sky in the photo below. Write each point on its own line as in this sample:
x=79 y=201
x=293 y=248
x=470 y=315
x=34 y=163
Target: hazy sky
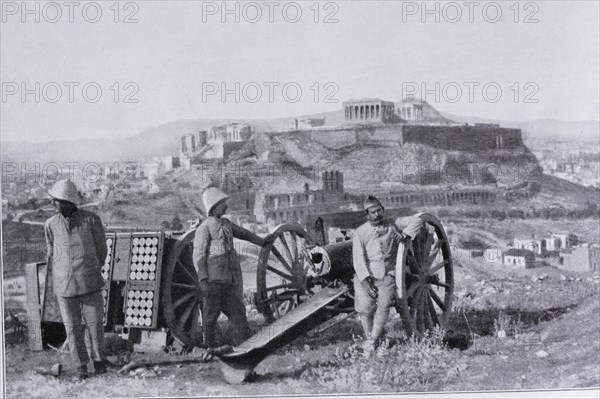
x=177 y=51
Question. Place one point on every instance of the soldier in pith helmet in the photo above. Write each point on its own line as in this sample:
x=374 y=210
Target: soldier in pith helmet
x=218 y=267
x=76 y=252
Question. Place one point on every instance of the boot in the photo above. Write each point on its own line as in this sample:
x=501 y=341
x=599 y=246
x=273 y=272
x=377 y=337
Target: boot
x=82 y=373
x=99 y=367
x=368 y=346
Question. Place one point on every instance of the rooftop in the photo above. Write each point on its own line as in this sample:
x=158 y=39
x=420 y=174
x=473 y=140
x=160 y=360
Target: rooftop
x=519 y=252
x=361 y=100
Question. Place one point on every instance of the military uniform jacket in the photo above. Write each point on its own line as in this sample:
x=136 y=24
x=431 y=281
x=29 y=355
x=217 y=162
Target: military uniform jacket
x=375 y=248
x=214 y=255
x=76 y=251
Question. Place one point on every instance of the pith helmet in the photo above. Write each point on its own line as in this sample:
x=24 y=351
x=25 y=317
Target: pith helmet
x=64 y=190
x=371 y=201
x=211 y=197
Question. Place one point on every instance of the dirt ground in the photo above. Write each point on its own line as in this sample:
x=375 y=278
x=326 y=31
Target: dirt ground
x=551 y=318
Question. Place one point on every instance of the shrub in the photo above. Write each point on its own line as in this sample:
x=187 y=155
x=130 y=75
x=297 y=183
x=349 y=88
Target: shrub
x=516 y=214
x=118 y=214
x=412 y=366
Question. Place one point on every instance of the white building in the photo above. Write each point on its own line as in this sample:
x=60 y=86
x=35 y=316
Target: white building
x=519 y=258
x=538 y=247
x=151 y=171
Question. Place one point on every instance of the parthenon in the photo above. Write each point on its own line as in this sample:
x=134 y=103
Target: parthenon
x=368 y=110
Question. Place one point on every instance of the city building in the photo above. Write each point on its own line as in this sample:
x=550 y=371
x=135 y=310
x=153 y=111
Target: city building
x=290 y=207
x=191 y=143
x=552 y=244
x=565 y=239
x=216 y=143
x=519 y=258
x=465 y=251
x=169 y=163
x=230 y=132
x=241 y=195
x=538 y=247
x=306 y=123
x=151 y=171
x=584 y=258
x=224 y=139
x=394 y=199
x=493 y=255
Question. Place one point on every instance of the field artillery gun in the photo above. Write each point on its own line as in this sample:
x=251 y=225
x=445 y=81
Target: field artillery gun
x=301 y=282
x=300 y=285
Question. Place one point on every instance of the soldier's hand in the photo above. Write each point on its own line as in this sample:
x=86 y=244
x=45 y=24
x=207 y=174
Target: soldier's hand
x=369 y=285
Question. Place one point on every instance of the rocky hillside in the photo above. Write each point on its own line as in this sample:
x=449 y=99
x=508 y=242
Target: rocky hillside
x=368 y=164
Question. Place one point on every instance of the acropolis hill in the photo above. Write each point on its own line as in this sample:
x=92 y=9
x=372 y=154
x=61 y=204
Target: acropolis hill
x=378 y=144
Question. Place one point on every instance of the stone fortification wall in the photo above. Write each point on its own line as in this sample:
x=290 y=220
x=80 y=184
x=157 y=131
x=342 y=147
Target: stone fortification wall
x=380 y=133
x=333 y=138
x=343 y=136
x=457 y=138
x=463 y=138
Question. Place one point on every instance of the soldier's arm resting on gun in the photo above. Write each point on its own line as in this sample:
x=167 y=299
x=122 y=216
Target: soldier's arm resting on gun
x=409 y=226
x=246 y=235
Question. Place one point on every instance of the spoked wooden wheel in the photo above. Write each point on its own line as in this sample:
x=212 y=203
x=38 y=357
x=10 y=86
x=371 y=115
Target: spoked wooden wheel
x=181 y=300
x=428 y=282
x=281 y=274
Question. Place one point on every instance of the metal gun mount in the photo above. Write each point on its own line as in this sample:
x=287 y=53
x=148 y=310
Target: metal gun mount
x=151 y=285
x=300 y=286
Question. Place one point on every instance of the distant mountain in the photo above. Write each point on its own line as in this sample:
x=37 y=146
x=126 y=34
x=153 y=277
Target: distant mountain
x=543 y=129
x=164 y=139
x=161 y=140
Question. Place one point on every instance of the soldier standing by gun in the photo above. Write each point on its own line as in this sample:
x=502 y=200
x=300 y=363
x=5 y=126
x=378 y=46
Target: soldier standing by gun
x=218 y=267
x=76 y=251
x=377 y=247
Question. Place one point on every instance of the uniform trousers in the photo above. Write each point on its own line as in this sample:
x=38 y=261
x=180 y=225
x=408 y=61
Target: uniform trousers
x=224 y=298
x=87 y=307
x=374 y=312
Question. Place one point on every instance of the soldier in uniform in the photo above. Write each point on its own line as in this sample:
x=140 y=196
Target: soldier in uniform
x=76 y=251
x=378 y=250
x=218 y=267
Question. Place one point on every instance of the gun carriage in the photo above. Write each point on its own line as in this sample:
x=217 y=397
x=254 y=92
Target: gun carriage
x=301 y=282
x=300 y=285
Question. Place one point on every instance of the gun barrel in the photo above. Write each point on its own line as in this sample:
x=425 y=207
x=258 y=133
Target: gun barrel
x=333 y=260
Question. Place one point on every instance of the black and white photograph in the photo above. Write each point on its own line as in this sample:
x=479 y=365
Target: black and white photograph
x=304 y=199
